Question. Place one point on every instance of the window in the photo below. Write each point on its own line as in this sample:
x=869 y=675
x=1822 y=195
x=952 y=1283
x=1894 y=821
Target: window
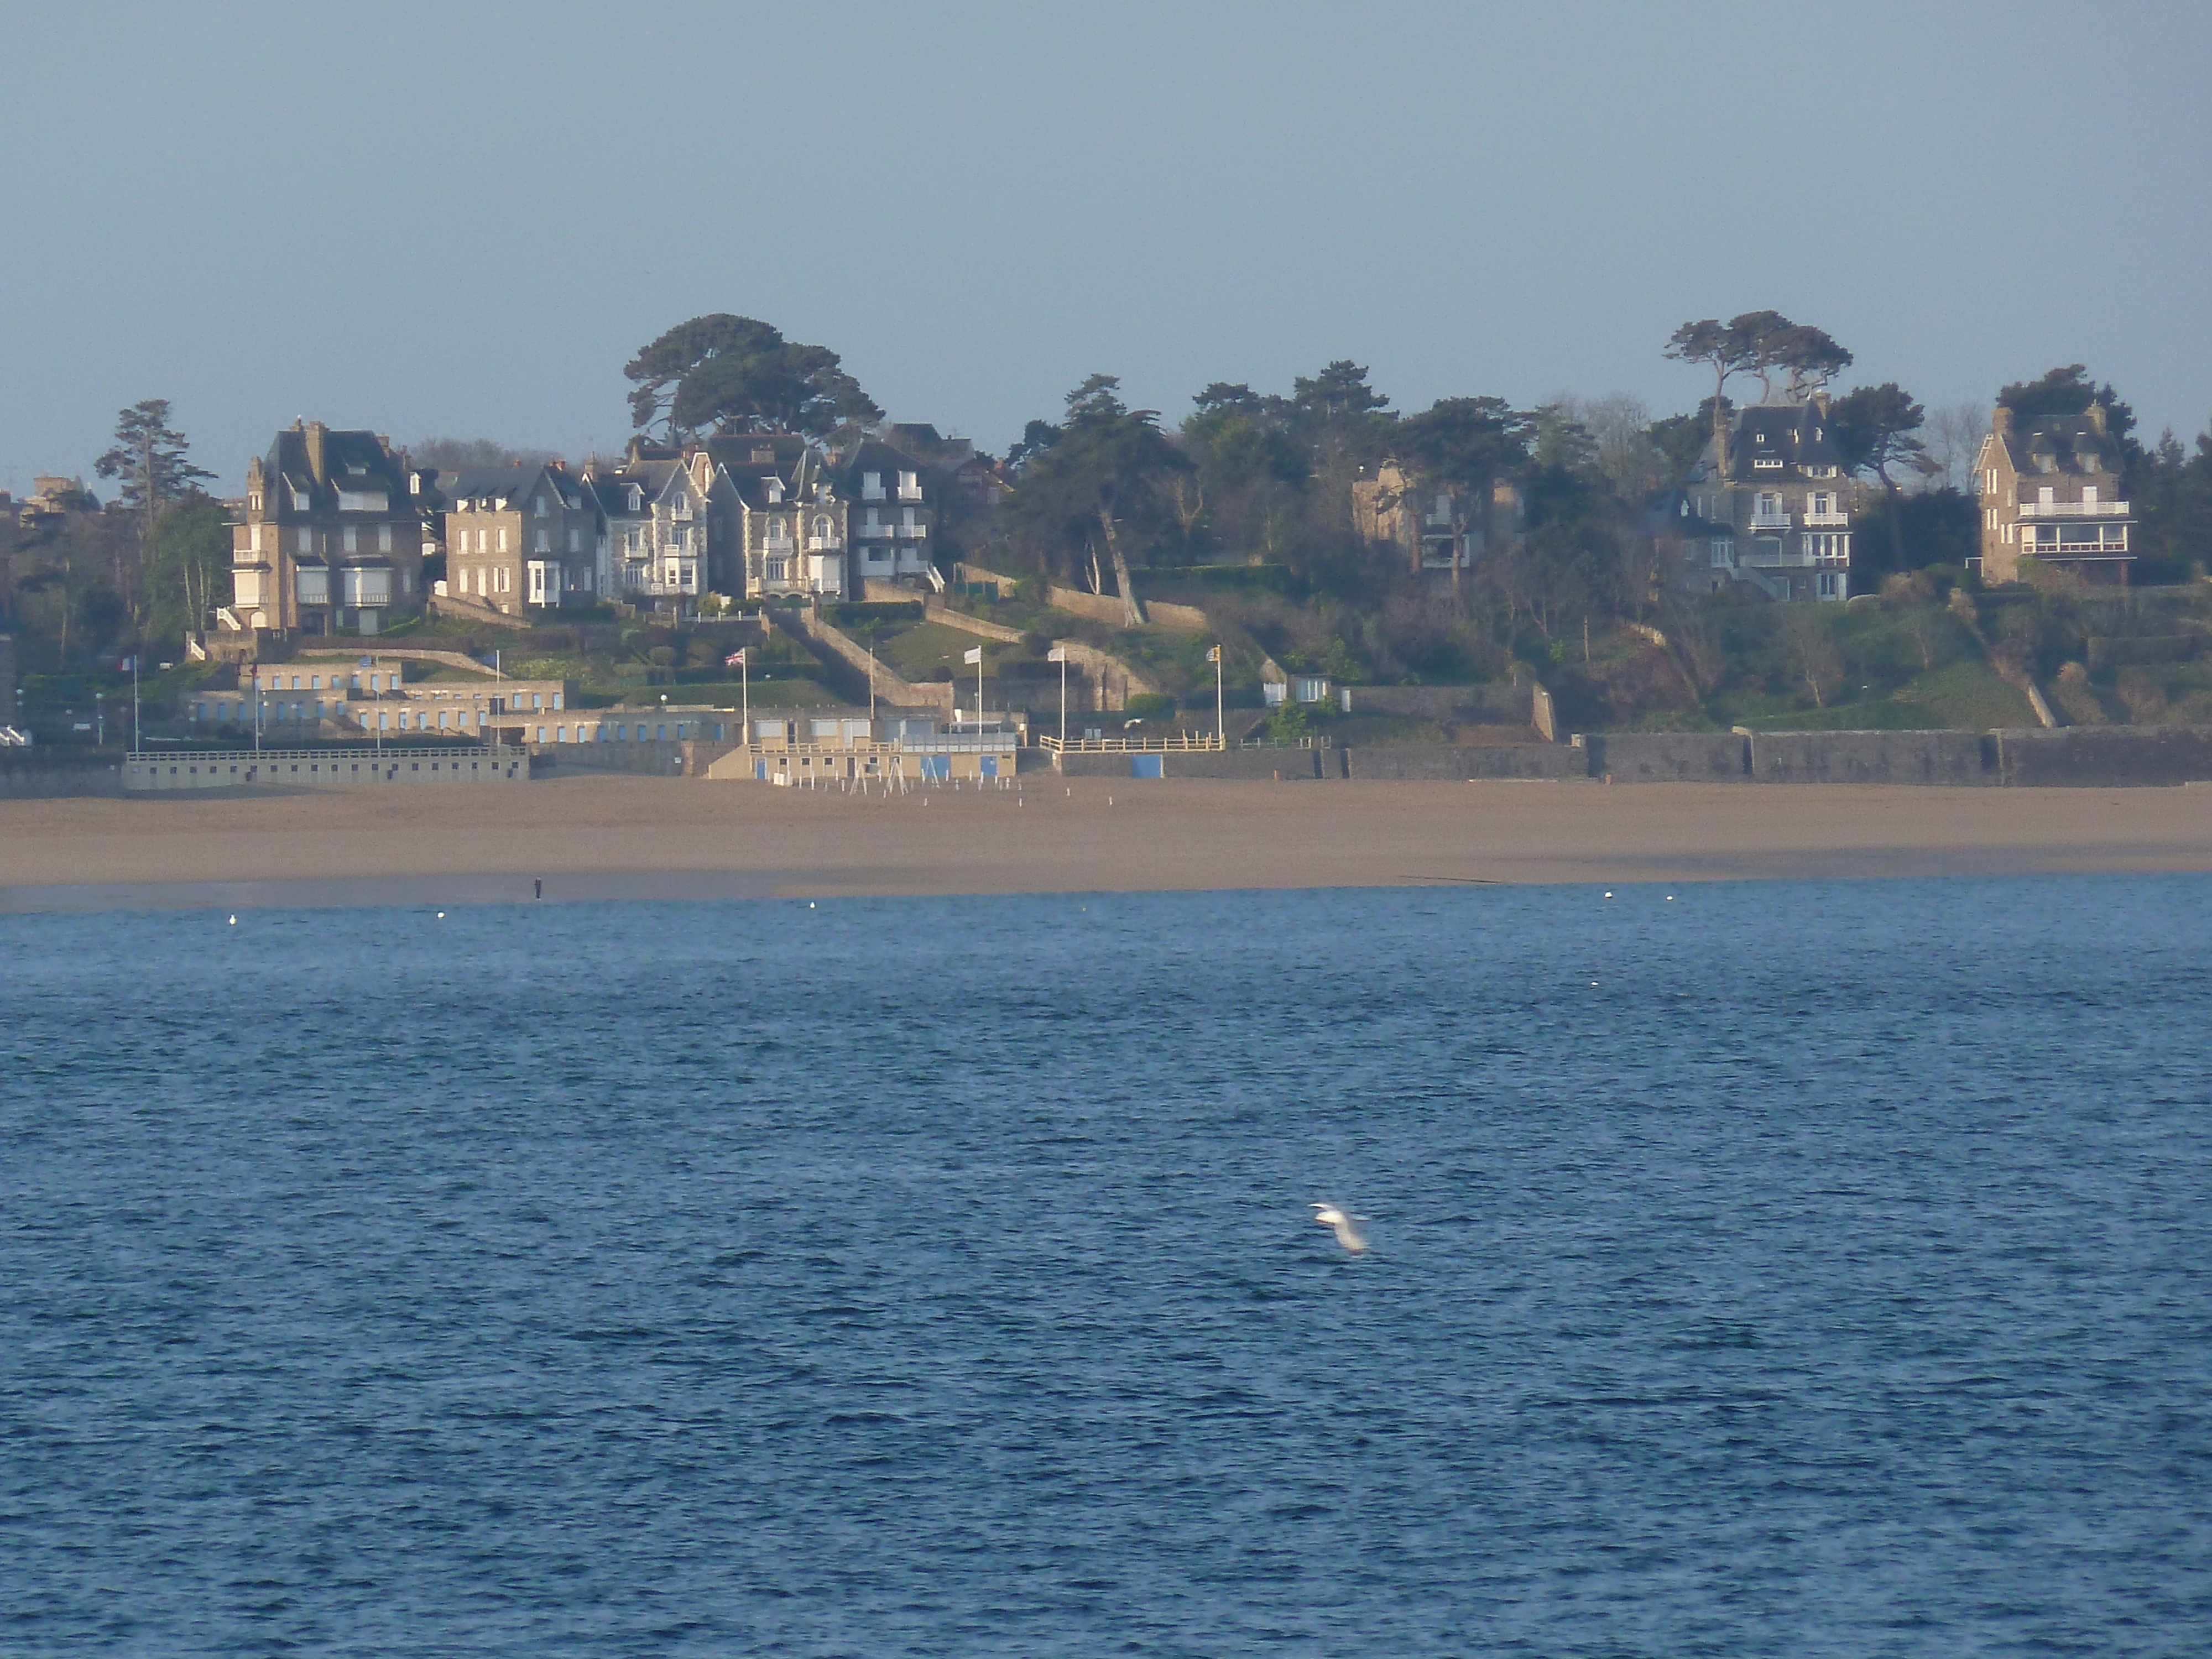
x=352 y=540
x=544 y=541
x=503 y=538
x=538 y=506
x=384 y=538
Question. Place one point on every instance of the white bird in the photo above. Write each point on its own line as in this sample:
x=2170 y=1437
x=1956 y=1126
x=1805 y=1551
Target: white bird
x=1339 y=1223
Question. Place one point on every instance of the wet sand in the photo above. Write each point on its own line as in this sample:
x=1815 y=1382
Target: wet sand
x=623 y=837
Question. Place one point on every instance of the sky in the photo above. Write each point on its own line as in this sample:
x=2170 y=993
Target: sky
x=463 y=220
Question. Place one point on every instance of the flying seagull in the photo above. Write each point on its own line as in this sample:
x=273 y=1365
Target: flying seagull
x=1337 y=1222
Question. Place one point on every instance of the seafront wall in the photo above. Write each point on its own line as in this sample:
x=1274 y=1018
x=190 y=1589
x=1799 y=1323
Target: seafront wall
x=2088 y=757
x=47 y=773
x=1453 y=764
x=2105 y=757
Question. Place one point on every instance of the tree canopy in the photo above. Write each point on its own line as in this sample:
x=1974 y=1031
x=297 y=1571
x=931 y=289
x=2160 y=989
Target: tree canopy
x=149 y=458
x=2060 y=393
x=725 y=373
x=1105 y=463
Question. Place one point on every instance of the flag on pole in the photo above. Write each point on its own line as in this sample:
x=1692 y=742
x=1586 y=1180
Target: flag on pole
x=735 y=659
x=128 y=665
x=1058 y=653
x=1214 y=655
x=974 y=656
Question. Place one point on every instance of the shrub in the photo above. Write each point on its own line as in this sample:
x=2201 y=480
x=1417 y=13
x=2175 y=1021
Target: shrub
x=1150 y=705
x=661 y=656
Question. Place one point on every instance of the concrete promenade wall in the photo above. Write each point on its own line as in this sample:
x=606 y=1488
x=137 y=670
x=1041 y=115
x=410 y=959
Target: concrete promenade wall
x=37 y=774
x=2105 y=757
x=322 y=769
x=1944 y=757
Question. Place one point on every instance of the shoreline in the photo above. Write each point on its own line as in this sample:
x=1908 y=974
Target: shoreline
x=614 y=838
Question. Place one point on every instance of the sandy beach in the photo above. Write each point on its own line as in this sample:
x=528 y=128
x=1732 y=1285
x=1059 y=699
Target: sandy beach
x=606 y=837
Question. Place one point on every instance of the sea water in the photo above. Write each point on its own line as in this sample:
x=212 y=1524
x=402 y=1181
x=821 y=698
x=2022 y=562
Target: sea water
x=1781 y=1268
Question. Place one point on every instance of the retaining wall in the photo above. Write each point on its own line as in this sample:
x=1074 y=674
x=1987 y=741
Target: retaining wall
x=43 y=774
x=1454 y=763
x=1488 y=705
x=2105 y=757
x=1944 y=757
x=1670 y=757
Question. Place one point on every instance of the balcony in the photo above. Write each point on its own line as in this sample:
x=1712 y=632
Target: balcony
x=1763 y=519
x=876 y=532
x=911 y=532
x=909 y=492
x=1778 y=559
x=874 y=493
x=826 y=543
x=1827 y=520
x=2077 y=509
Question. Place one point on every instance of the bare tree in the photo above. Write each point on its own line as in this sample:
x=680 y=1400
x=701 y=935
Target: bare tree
x=1620 y=427
x=1811 y=639
x=1952 y=437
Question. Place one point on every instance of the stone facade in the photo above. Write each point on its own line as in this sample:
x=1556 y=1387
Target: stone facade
x=521 y=540
x=332 y=538
x=1773 y=511
x=1441 y=529
x=2050 y=492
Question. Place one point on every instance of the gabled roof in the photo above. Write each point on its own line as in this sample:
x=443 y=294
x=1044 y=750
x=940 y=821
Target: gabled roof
x=355 y=459
x=2075 y=443
x=874 y=455
x=1799 y=435
x=611 y=485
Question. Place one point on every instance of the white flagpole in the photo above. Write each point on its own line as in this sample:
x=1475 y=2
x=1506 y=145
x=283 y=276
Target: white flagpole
x=1220 y=727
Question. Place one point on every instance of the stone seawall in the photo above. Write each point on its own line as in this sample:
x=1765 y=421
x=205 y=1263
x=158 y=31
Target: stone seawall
x=1669 y=757
x=1451 y=763
x=1488 y=705
x=44 y=774
x=2105 y=757
x=1946 y=757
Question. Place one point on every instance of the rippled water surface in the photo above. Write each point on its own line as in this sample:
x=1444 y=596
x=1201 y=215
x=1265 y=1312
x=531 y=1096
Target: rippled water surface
x=1790 y=1269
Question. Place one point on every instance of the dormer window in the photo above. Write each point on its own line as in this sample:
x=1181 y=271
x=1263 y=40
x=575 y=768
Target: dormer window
x=775 y=492
x=636 y=499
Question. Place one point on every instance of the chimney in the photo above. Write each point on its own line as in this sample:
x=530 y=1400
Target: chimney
x=2096 y=412
x=316 y=433
x=1820 y=403
x=2000 y=420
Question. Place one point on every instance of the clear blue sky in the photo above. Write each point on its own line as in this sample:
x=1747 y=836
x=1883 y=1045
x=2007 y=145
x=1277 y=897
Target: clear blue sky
x=464 y=220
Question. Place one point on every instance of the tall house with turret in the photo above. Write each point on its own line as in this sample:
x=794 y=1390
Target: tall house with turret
x=2050 y=492
x=331 y=540
x=1772 y=509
